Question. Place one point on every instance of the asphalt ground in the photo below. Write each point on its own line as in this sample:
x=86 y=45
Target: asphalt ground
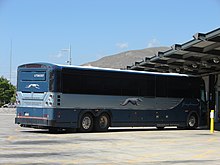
x=117 y=146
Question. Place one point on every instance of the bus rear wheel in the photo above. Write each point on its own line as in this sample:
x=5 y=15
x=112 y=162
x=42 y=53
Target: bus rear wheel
x=102 y=123
x=86 y=123
x=192 y=122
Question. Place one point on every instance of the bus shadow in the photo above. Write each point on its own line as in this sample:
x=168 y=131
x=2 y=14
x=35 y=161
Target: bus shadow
x=140 y=129
x=111 y=130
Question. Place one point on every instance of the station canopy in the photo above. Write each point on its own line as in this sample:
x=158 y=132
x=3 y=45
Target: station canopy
x=199 y=56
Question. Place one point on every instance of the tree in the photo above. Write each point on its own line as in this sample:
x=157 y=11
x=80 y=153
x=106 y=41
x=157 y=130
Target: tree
x=7 y=91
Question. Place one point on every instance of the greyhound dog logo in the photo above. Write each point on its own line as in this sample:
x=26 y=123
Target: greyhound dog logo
x=133 y=101
x=37 y=86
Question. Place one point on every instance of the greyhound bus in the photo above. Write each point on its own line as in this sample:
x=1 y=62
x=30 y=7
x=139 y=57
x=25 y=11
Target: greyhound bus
x=62 y=97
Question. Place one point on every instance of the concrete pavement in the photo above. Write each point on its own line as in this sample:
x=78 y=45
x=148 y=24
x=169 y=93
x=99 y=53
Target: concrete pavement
x=118 y=146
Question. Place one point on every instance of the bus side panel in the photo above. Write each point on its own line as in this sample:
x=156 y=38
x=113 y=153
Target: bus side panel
x=174 y=116
x=66 y=118
x=47 y=117
x=29 y=116
x=132 y=118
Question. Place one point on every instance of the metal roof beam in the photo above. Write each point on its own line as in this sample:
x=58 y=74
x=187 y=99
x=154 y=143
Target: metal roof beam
x=160 y=61
x=194 y=49
x=201 y=50
x=211 y=47
x=147 y=64
x=199 y=56
x=214 y=52
x=192 y=59
x=200 y=36
x=136 y=67
x=215 y=39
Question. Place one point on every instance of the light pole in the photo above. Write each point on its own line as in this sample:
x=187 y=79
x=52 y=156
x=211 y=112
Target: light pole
x=69 y=61
x=10 y=60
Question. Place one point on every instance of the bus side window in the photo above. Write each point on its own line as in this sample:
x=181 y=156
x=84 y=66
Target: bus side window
x=147 y=86
x=161 y=86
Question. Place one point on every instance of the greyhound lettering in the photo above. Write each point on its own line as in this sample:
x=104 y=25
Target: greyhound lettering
x=37 y=86
x=133 y=101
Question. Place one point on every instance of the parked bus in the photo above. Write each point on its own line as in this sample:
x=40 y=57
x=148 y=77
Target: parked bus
x=89 y=99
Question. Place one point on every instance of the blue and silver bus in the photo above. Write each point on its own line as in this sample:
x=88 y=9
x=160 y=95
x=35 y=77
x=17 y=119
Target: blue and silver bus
x=54 y=97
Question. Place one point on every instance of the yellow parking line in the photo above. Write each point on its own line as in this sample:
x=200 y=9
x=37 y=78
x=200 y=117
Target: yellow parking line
x=204 y=154
x=212 y=139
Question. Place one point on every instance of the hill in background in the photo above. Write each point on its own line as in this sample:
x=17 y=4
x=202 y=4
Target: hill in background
x=122 y=60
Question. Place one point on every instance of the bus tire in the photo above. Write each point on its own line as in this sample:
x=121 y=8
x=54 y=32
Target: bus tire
x=102 y=123
x=86 y=123
x=192 y=122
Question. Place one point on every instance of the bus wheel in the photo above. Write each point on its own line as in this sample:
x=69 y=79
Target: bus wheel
x=192 y=122
x=86 y=123
x=102 y=122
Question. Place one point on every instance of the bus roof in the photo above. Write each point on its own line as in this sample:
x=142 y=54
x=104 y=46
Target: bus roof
x=45 y=65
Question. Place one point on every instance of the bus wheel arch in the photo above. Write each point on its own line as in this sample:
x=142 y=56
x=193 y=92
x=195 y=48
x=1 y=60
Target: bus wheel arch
x=86 y=122
x=102 y=122
x=192 y=120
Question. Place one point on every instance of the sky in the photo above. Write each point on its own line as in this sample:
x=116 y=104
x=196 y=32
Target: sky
x=43 y=30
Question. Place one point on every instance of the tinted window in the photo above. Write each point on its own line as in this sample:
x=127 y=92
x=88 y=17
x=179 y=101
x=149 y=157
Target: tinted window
x=107 y=83
x=161 y=86
x=71 y=83
x=179 y=87
x=128 y=84
x=33 y=76
x=147 y=86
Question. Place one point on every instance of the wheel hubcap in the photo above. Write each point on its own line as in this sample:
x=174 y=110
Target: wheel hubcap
x=192 y=121
x=103 y=121
x=86 y=123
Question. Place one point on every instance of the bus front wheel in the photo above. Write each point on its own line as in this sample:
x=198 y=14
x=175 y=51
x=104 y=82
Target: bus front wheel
x=102 y=123
x=86 y=123
x=192 y=122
